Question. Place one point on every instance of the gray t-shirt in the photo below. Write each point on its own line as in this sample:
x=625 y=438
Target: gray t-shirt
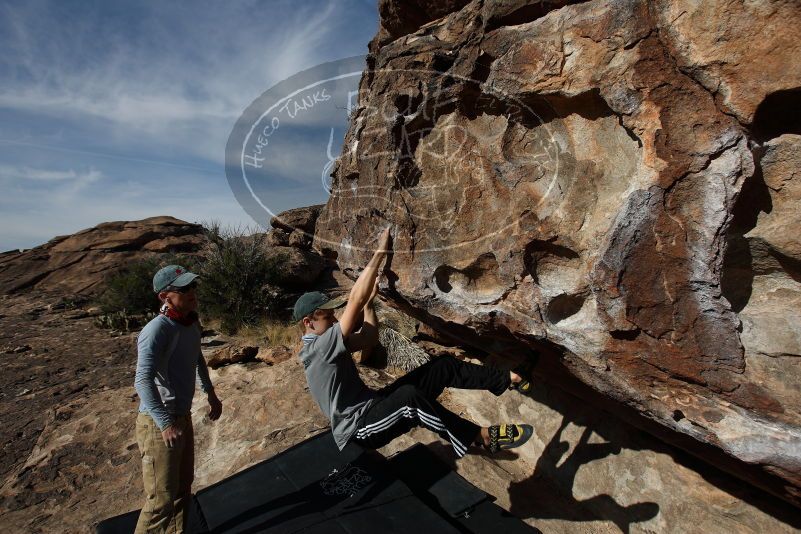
x=334 y=382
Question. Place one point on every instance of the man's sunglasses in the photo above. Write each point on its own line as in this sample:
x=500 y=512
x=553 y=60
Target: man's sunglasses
x=184 y=289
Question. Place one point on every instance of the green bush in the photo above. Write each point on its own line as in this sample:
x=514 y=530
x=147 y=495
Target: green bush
x=237 y=278
x=237 y=282
x=128 y=300
x=130 y=289
x=123 y=321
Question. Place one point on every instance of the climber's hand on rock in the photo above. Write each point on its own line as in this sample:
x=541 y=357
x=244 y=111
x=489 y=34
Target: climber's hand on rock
x=384 y=241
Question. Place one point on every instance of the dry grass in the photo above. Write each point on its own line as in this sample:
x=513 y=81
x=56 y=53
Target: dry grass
x=267 y=332
x=402 y=352
x=280 y=333
x=396 y=320
x=270 y=332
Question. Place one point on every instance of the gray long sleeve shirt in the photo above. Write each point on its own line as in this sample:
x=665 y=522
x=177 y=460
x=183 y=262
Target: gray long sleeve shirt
x=168 y=362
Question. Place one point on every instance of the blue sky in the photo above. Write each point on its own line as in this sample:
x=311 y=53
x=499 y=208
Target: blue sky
x=121 y=110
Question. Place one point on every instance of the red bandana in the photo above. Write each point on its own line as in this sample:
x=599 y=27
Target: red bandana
x=178 y=317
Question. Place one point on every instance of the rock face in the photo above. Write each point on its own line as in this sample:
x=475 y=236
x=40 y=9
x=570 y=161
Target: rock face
x=78 y=263
x=290 y=242
x=610 y=182
x=302 y=219
x=232 y=354
x=401 y=18
x=299 y=268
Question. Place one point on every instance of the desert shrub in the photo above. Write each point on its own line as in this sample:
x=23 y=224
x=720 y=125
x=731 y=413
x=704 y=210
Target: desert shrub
x=237 y=282
x=123 y=321
x=237 y=277
x=130 y=290
x=128 y=301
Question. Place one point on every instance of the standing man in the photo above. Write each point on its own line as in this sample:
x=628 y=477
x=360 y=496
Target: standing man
x=168 y=361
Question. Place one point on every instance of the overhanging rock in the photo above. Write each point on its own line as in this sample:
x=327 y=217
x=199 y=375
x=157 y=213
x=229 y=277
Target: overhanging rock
x=597 y=180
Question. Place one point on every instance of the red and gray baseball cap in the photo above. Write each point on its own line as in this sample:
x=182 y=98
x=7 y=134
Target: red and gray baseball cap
x=314 y=300
x=172 y=276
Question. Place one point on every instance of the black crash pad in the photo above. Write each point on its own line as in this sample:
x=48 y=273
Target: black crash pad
x=446 y=492
x=315 y=488
x=298 y=489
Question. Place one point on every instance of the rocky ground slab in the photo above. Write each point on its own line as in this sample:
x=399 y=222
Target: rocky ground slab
x=76 y=461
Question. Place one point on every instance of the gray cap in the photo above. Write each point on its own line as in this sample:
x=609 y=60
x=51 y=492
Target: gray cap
x=314 y=300
x=172 y=275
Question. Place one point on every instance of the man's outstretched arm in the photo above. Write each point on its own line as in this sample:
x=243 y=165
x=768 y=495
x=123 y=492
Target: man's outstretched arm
x=362 y=290
x=367 y=335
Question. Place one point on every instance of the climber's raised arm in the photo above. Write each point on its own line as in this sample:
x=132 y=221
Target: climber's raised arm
x=362 y=290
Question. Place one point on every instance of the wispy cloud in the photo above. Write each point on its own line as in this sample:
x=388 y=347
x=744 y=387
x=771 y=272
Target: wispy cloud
x=99 y=101
x=45 y=175
x=59 y=185
x=54 y=201
x=186 y=79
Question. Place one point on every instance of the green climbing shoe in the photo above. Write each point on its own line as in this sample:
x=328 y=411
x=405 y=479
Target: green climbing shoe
x=504 y=437
x=524 y=372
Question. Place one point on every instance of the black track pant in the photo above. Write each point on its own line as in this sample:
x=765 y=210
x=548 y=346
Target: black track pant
x=411 y=401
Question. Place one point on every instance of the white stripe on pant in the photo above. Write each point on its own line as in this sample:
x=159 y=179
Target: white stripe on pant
x=410 y=412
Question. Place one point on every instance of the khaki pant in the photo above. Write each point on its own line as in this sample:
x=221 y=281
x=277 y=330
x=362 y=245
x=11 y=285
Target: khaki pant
x=167 y=473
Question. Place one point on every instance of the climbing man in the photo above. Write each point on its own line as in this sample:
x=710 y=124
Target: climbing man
x=168 y=361
x=374 y=418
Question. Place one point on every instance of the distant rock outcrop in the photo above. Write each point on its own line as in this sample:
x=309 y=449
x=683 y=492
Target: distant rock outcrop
x=294 y=228
x=299 y=268
x=78 y=263
x=303 y=219
x=290 y=241
x=614 y=183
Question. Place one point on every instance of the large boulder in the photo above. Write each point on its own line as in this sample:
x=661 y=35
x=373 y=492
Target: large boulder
x=299 y=269
x=568 y=178
x=402 y=18
x=78 y=263
x=232 y=354
x=302 y=219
